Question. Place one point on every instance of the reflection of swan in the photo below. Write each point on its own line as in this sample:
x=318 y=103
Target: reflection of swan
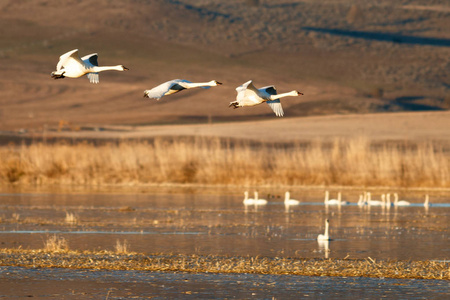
x=71 y=65
x=259 y=201
x=337 y=201
x=375 y=202
x=325 y=245
x=325 y=236
x=248 y=201
x=400 y=202
x=289 y=201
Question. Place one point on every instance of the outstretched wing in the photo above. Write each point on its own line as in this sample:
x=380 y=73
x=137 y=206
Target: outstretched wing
x=248 y=94
x=90 y=61
x=66 y=59
x=166 y=88
x=275 y=105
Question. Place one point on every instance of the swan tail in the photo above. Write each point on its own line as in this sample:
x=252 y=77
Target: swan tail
x=234 y=104
x=57 y=76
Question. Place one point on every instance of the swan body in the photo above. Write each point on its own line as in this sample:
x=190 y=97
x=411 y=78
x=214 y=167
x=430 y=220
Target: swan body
x=247 y=200
x=325 y=236
x=375 y=202
x=289 y=201
x=175 y=86
x=71 y=65
x=400 y=202
x=259 y=201
x=249 y=95
x=337 y=201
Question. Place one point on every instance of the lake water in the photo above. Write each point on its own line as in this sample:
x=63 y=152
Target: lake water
x=220 y=224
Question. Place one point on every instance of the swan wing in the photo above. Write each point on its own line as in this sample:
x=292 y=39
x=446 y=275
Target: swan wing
x=66 y=58
x=248 y=95
x=166 y=88
x=91 y=59
x=275 y=105
x=271 y=90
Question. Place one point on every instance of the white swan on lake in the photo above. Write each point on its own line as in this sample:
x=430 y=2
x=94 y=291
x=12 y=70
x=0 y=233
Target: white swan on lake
x=375 y=202
x=71 y=65
x=247 y=200
x=325 y=236
x=337 y=201
x=175 y=86
x=361 y=201
x=400 y=202
x=249 y=95
x=289 y=201
x=259 y=201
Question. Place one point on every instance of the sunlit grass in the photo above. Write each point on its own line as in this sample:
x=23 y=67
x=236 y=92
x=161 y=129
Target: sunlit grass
x=354 y=162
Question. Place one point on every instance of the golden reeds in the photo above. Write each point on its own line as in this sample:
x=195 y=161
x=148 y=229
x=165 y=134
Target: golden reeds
x=224 y=264
x=354 y=162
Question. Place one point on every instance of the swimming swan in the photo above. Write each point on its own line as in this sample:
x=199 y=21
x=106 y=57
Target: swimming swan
x=249 y=95
x=248 y=201
x=375 y=202
x=259 y=201
x=70 y=65
x=325 y=236
x=175 y=86
x=289 y=201
x=337 y=201
x=400 y=202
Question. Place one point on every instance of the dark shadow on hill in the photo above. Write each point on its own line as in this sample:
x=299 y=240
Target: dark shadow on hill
x=411 y=103
x=384 y=37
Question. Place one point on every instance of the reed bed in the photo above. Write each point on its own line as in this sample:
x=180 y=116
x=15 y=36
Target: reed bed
x=354 y=162
x=223 y=264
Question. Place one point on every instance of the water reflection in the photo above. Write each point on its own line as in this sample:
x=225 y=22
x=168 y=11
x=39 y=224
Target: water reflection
x=223 y=225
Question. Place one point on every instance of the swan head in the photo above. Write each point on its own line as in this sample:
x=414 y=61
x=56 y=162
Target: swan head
x=215 y=83
x=124 y=68
x=296 y=93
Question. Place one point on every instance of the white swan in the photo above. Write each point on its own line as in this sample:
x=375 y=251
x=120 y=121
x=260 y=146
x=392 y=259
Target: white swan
x=248 y=201
x=375 y=202
x=70 y=65
x=388 y=203
x=175 y=86
x=400 y=202
x=325 y=236
x=249 y=95
x=426 y=204
x=289 y=201
x=361 y=201
x=337 y=201
x=259 y=201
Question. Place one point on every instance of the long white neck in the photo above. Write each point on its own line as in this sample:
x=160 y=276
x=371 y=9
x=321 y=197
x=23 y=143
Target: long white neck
x=427 y=200
x=388 y=201
x=383 y=199
x=326 y=197
x=369 y=197
x=245 y=195
x=256 y=195
x=291 y=93
x=339 y=196
x=287 y=196
x=396 y=198
x=326 y=228
x=199 y=84
x=107 y=68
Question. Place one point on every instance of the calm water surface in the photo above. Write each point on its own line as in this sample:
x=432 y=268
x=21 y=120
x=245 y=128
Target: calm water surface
x=221 y=224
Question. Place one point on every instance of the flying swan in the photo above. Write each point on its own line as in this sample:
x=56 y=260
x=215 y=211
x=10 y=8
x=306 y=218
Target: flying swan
x=175 y=86
x=70 y=65
x=249 y=95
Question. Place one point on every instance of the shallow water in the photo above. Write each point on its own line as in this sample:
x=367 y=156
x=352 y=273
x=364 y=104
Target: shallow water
x=57 y=283
x=221 y=224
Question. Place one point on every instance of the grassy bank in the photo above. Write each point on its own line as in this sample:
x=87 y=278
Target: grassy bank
x=222 y=264
x=355 y=162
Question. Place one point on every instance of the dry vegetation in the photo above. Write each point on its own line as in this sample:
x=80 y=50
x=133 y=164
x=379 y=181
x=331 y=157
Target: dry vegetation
x=354 y=162
x=222 y=264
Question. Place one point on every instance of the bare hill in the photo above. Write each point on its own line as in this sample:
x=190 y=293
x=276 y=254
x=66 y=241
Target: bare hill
x=374 y=57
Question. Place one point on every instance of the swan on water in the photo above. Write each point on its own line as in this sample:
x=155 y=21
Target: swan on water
x=175 y=86
x=375 y=202
x=247 y=200
x=337 y=201
x=325 y=236
x=400 y=202
x=361 y=201
x=289 y=201
x=71 y=65
x=249 y=95
x=259 y=201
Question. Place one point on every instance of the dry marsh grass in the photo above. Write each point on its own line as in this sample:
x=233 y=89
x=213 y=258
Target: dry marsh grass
x=223 y=264
x=56 y=243
x=354 y=162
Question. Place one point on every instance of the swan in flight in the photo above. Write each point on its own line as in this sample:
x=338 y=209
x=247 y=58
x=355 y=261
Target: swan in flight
x=259 y=201
x=247 y=200
x=325 y=236
x=175 y=86
x=337 y=201
x=400 y=202
x=289 y=201
x=249 y=95
x=71 y=65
